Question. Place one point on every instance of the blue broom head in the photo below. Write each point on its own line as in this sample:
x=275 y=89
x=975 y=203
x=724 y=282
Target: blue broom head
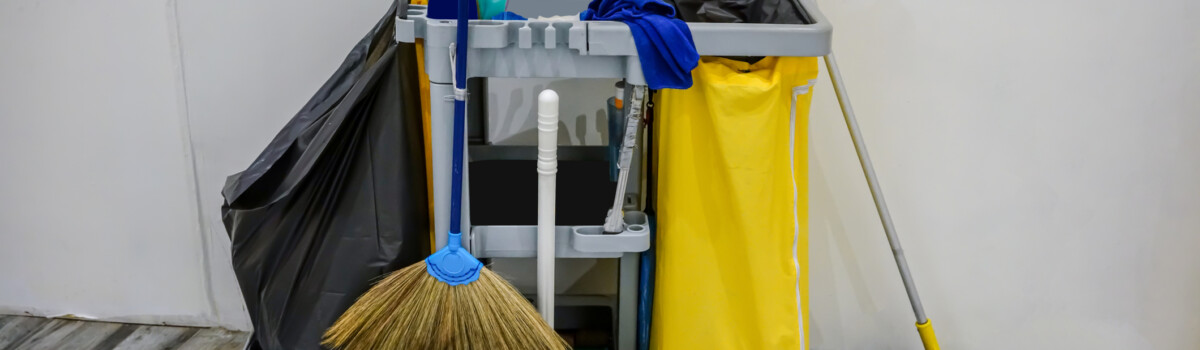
x=453 y=264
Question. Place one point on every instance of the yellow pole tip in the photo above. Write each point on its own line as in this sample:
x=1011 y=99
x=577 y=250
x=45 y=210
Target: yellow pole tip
x=928 y=339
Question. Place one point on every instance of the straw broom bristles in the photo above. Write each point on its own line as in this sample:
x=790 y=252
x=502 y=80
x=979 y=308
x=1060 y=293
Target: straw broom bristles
x=412 y=310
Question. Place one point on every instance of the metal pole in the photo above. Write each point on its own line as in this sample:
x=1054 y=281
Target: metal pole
x=889 y=228
x=614 y=222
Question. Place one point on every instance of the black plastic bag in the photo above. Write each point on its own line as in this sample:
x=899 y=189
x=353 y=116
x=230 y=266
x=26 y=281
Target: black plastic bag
x=741 y=11
x=336 y=200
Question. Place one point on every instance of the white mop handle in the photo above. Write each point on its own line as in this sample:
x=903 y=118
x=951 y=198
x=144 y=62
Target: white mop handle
x=547 y=168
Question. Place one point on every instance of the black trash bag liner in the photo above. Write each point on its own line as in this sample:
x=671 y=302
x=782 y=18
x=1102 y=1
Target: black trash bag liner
x=741 y=11
x=336 y=200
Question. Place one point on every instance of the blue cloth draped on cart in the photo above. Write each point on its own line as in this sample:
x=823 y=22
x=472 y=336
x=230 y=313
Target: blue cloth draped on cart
x=664 y=43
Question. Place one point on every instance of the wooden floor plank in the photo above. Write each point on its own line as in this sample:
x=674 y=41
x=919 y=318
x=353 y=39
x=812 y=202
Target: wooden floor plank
x=90 y=335
x=49 y=336
x=37 y=333
x=236 y=344
x=187 y=334
x=5 y=319
x=155 y=337
x=215 y=339
x=16 y=330
x=117 y=337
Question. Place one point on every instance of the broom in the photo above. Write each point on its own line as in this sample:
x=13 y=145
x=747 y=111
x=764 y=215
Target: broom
x=450 y=300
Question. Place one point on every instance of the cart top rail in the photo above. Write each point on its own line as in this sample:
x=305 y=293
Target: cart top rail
x=595 y=49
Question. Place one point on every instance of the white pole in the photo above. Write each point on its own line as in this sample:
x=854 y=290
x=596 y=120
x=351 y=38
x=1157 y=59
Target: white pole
x=547 y=168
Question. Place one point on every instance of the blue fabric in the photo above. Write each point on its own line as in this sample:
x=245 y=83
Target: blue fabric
x=664 y=43
x=509 y=16
x=448 y=9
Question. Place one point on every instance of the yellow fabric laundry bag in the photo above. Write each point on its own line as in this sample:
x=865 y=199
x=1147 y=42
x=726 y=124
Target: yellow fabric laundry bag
x=732 y=179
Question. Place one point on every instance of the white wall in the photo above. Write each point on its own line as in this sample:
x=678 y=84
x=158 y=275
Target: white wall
x=97 y=199
x=249 y=66
x=1041 y=163
x=104 y=211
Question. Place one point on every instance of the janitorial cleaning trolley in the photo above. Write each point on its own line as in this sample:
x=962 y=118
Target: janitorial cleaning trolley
x=595 y=49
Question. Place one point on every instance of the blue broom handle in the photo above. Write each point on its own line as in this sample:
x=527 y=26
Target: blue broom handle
x=460 y=116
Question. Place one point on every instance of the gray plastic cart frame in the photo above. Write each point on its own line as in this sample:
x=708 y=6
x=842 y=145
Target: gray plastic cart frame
x=571 y=49
x=600 y=49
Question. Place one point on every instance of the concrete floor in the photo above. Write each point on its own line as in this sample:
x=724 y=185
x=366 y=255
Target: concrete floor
x=36 y=333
